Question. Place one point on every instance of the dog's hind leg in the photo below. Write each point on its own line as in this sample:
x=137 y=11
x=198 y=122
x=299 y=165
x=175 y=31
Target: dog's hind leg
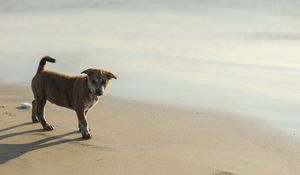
x=33 y=113
x=40 y=111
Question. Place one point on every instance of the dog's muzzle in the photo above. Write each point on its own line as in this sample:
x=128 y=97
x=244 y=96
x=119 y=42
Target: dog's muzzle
x=99 y=92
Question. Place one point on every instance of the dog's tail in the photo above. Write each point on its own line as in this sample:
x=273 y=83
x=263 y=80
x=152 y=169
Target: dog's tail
x=43 y=62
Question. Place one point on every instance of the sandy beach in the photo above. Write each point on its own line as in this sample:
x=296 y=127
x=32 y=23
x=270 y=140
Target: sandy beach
x=204 y=87
x=131 y=137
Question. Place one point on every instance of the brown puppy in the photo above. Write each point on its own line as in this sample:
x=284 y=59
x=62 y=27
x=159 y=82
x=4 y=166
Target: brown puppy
x=79 y=93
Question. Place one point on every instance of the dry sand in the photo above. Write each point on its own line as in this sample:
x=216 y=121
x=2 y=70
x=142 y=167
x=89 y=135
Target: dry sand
x=135 y=138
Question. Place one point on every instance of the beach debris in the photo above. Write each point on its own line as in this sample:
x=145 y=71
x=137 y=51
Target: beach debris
x=24 y=105
x=223 y=173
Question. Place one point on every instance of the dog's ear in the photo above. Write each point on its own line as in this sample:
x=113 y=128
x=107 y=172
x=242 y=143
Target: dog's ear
x=88 y=72
x=109 y=75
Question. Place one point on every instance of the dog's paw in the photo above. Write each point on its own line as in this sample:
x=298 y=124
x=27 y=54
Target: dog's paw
x=86 y=135
x=48 y=127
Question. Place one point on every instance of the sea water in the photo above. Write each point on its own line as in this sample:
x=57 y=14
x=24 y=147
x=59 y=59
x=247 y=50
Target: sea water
x=241 y=56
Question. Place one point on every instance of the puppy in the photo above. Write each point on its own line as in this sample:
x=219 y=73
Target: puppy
x=79 y=93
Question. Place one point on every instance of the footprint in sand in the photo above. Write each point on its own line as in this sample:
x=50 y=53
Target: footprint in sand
x=5 y=113
x=223 y=173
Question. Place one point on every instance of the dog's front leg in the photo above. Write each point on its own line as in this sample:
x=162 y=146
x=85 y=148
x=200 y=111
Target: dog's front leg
x=83 y=124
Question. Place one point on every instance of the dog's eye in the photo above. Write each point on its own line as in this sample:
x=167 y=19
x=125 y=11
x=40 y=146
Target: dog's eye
x=103 y=81
x=94 y=82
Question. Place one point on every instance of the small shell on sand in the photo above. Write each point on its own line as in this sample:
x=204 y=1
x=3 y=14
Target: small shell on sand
x=24 y=105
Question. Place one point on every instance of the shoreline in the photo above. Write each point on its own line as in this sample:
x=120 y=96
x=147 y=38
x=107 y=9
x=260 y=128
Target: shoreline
x=131 y=137
x=283 y=131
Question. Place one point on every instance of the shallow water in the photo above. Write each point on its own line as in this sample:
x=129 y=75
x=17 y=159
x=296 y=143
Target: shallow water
x=238 y=56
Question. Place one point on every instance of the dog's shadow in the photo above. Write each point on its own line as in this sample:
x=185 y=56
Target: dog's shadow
x=12 y=151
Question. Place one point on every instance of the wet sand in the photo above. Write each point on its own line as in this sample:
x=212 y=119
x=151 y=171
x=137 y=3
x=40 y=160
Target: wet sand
x=130 y=137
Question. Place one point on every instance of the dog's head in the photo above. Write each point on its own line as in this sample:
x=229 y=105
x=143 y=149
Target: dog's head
x=97 y=80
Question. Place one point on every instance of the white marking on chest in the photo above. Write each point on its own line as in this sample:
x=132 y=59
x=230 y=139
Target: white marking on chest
x=91 y=103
